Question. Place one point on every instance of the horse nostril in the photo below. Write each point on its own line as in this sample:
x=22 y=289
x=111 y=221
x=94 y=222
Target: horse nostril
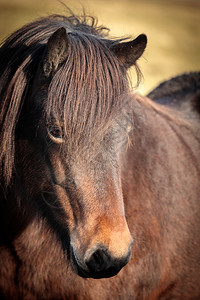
x=98 y=261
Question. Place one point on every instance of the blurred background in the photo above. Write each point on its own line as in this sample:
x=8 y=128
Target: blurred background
x=172 y=28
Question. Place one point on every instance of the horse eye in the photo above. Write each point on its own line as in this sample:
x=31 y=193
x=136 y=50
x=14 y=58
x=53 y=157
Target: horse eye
x=55 y=132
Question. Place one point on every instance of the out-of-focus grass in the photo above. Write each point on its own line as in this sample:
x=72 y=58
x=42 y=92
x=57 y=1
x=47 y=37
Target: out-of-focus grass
x=172 y=27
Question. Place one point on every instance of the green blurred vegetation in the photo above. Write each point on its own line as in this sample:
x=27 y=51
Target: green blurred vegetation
x=172 y=28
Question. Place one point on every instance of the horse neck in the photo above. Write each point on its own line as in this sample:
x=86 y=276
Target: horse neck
x=159 y=130
x=157 y=162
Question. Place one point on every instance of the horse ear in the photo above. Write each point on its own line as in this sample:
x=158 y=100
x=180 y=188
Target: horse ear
x=129 y=52
x=57 y=50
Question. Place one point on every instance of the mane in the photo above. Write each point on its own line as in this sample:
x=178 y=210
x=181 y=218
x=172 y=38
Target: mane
x=179 y=85
x=20 y=57
x=180 y=93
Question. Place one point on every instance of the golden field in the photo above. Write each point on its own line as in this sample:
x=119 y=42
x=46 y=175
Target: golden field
x=172 y=28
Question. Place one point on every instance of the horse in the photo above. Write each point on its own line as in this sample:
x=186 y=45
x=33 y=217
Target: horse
x=99 y=186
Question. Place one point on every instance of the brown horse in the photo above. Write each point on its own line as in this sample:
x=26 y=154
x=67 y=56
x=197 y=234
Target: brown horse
x=90 y=170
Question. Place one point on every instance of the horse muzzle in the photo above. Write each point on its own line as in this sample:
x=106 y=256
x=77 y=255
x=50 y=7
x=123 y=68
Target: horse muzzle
x=100 y=263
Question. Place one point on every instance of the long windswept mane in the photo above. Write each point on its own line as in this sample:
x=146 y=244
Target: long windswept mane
x=73 y=94
x=87 y=90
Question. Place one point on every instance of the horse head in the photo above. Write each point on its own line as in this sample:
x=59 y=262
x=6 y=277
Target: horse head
x=73 y=125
